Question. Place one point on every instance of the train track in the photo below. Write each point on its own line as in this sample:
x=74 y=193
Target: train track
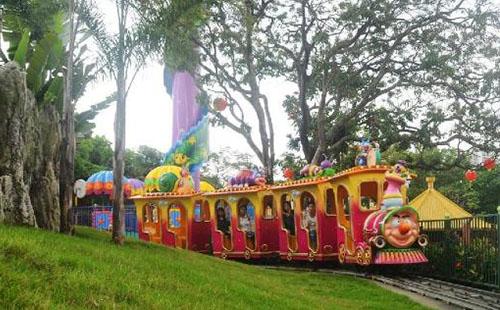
x=455 y=295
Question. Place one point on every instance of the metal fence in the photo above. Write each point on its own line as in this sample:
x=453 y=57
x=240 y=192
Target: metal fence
x=464 y=250
x=85 y=216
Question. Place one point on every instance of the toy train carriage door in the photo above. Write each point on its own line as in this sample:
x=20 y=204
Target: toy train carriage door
x=223 y=214
x=177 y=224
x=346 y=242
x=151 y=219
x=309 y=219
x=287 y=212
x=246 y=215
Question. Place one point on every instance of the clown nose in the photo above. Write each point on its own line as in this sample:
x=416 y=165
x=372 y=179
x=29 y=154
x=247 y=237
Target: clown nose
x=404 y=228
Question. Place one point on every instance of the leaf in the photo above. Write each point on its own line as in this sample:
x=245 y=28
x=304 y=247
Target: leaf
x=54 y=93
x=22 y=49
x=36 y=71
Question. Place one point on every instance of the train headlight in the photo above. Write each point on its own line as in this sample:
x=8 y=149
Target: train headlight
x=423 y=240
x=379 y=242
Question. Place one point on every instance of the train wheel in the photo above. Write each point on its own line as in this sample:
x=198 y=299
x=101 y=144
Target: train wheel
x=367 y=256
x=342 y=253
x=360 y=253
x=310 y=256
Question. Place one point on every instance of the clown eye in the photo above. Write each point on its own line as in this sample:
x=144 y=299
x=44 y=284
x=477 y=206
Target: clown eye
x=395 y=222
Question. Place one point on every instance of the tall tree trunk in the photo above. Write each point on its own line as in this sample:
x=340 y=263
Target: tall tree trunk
x=118 y=162
x=67 y=173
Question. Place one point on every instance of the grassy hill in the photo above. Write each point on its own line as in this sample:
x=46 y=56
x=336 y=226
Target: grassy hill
x=47 y=270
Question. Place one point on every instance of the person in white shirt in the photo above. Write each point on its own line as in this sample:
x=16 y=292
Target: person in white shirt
x=245 y=222
x=309 y=222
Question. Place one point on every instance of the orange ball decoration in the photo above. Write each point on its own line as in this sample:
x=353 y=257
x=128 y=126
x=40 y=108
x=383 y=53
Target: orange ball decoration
x=471 y=175
x=288 y=173
x=489 y=164
x=220 y=104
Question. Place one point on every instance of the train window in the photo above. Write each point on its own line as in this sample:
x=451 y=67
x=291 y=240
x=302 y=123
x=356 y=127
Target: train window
x=269 y=210
x=246 y=221
x=205 y=212
x=343 y=199
x=150 y=214
x=223 y=213
x=174 y=216
x=309 y=219
x=369 y=196
x=330 y=202
x=288 y=217
x=197 y=211
x=145 y=214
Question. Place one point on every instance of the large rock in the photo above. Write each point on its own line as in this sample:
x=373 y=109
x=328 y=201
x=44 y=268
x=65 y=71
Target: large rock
x=29 y=152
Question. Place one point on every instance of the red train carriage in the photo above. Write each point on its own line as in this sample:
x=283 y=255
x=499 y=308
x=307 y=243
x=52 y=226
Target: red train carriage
x=356 y=216
x=307 y=218
x=244 y=222
x=177 y=220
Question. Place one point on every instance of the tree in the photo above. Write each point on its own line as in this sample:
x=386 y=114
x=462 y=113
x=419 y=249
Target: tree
x=223 y=40
x=36 y=36
x=122 y=57
x=225 y=164
x=93 y=154
x=140 y=162
x=67 y=165
x=428 y=65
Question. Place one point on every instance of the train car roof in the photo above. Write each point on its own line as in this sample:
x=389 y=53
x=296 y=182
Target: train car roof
x=165 y=195
x=236 y=190
x=319 y=180
x=254 y=189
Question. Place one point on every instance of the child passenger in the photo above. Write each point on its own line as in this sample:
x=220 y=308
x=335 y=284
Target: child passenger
x=288 y=218
x=222 y=222
x=310 y=223
x=245 y=222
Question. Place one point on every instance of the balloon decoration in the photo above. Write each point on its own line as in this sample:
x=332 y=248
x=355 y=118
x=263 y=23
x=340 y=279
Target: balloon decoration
x=471 y=175
x=220 y=104
x=288 y=173
x=101 y=183
x=325 y=164
x=489 y=164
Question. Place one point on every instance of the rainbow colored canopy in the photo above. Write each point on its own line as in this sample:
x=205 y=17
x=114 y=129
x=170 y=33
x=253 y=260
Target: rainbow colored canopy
x=101 y=183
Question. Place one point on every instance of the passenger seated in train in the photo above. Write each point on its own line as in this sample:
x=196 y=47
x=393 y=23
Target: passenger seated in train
x=223 y=223
x=245 y=222
x=309 y=222
x=288 y=218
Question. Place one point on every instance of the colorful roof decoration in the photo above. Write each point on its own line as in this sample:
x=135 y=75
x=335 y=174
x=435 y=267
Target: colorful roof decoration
x=206 y=187
x=152 y=184
x=101 y=183
x=432 y=205
x=136 y=187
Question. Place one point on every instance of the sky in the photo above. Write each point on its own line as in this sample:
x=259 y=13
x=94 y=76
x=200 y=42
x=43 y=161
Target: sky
x=149 y=108
x=149 y=113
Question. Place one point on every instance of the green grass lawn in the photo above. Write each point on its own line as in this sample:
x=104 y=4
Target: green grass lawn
x=47 y=270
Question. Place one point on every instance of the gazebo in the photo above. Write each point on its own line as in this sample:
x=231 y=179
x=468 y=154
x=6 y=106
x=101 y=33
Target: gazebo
x=434 y=208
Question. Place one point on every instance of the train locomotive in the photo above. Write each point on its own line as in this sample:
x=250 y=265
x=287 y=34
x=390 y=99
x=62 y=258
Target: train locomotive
x=358 y=216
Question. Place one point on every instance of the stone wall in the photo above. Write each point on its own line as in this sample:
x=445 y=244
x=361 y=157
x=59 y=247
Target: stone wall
x=29 y=152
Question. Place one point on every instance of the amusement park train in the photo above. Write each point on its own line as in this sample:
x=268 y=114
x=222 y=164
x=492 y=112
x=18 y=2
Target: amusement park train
x=358 y=216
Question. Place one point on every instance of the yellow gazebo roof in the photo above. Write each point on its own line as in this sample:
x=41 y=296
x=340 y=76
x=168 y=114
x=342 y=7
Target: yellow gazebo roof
x=432 y=205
